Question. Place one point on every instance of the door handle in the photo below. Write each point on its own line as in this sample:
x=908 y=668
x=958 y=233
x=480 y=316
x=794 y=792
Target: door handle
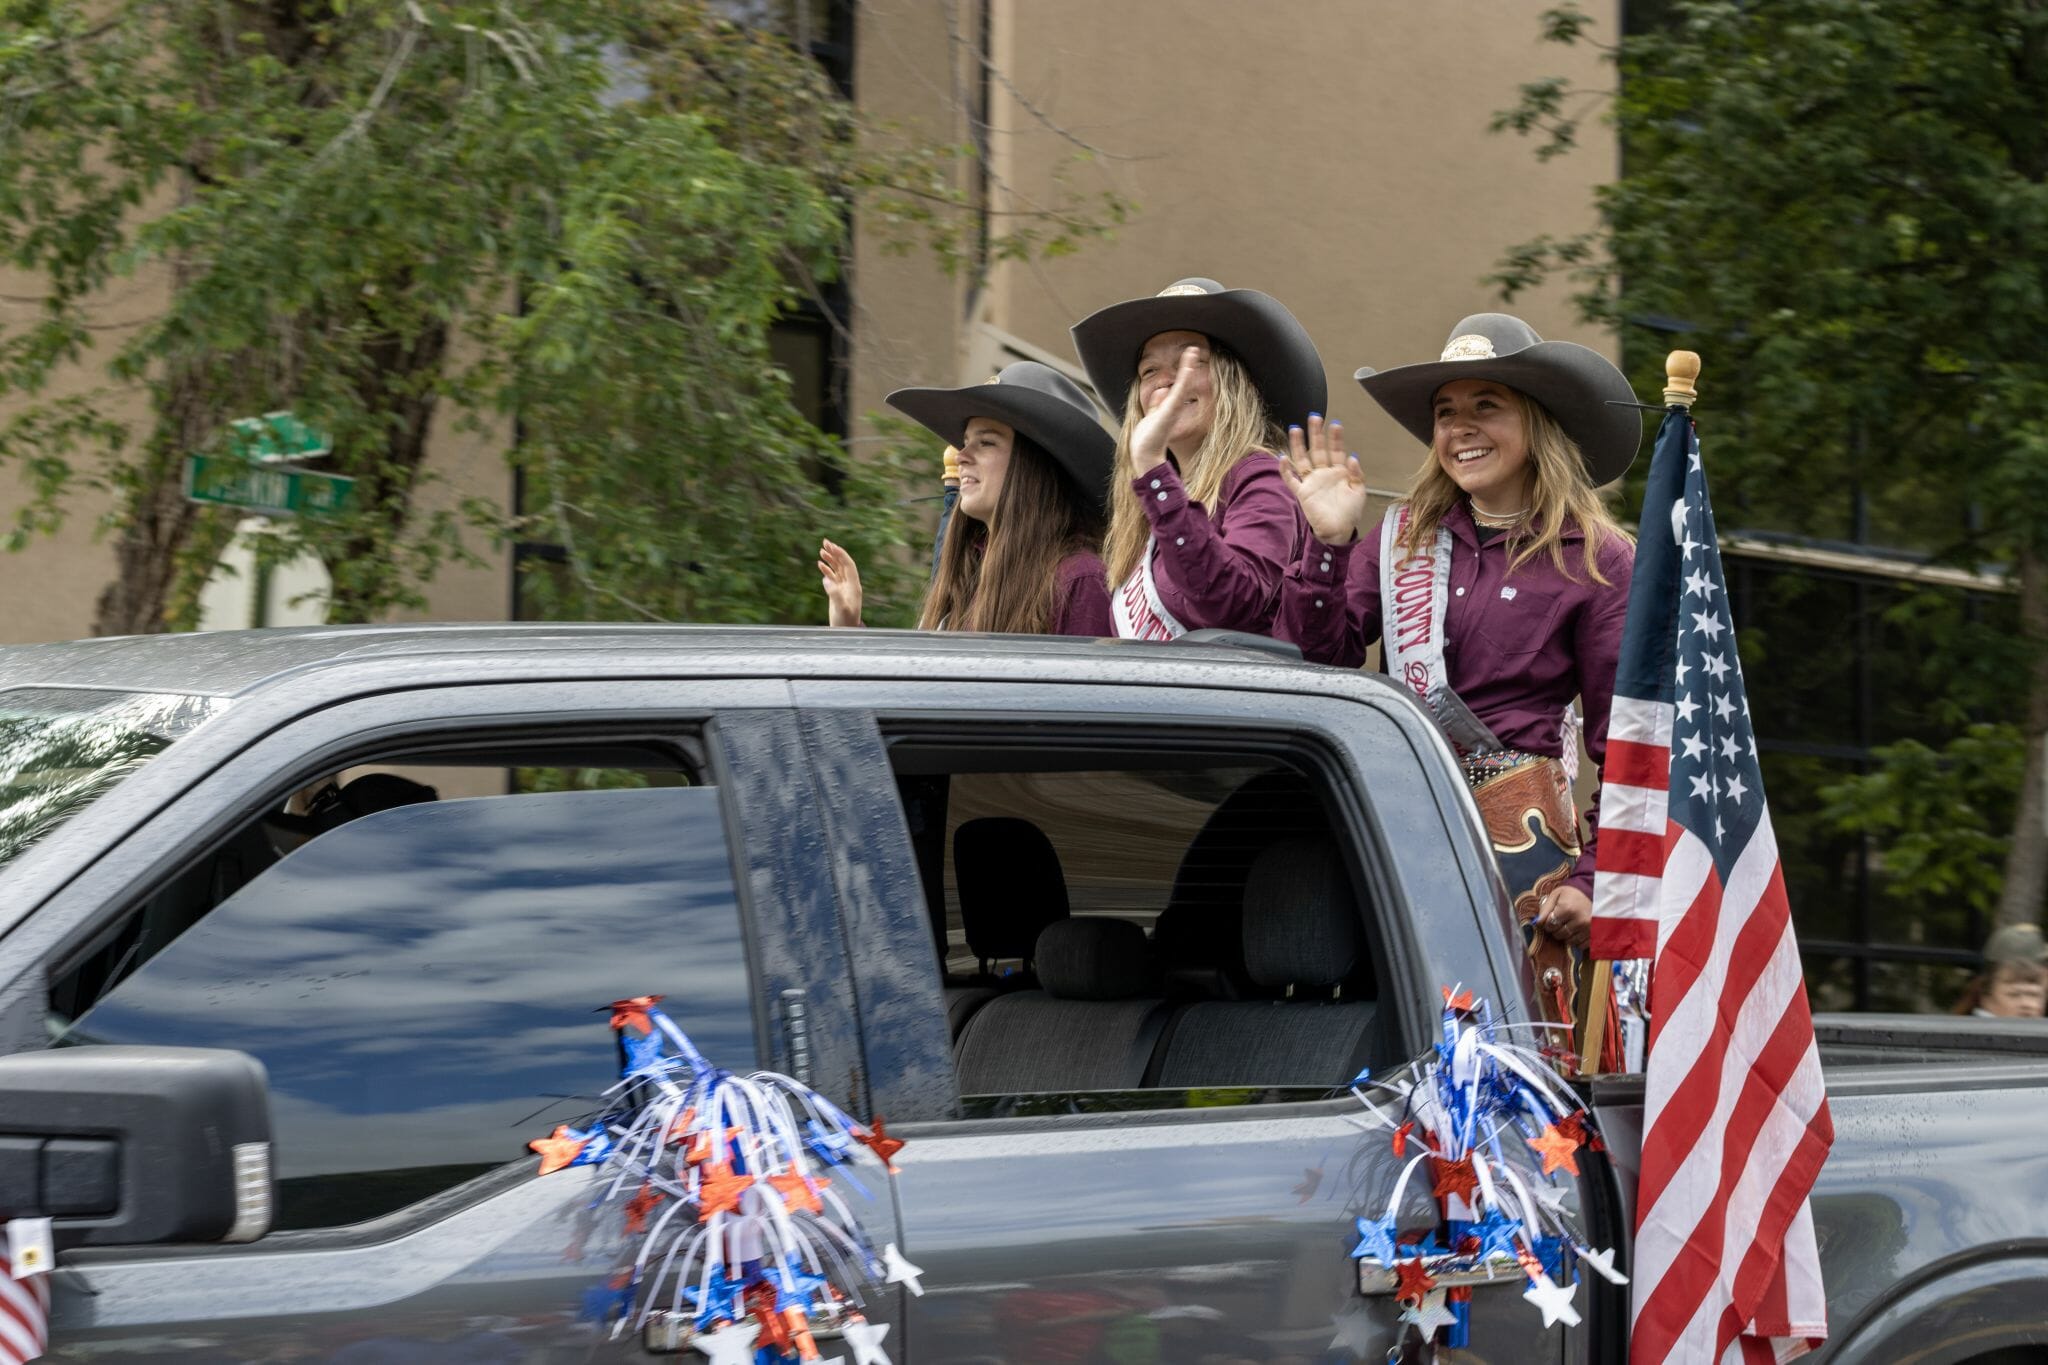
x=1376 y=1280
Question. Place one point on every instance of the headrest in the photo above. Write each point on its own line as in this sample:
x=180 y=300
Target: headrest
x=1096 y=958
x=1010 y=884
x=1300 y=918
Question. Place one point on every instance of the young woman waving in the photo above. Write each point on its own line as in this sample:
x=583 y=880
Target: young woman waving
x=1019 y=552
x=1201 y=527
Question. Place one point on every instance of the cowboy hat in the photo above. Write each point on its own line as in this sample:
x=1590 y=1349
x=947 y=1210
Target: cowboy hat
x=1581 y=388
x=1256 y=328
x=1035 y=399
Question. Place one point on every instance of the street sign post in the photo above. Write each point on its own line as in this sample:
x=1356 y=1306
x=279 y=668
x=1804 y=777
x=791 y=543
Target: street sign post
x=227 y=481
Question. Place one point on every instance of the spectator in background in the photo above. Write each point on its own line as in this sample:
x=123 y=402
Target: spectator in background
x=2014 y=982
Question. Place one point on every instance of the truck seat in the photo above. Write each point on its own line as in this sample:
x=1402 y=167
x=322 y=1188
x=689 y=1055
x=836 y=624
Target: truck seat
x=1011 y=887
x=1301 y=931
x=1093 y=1024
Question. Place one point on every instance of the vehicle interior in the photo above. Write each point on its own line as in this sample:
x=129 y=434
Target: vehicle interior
x=1126 y=921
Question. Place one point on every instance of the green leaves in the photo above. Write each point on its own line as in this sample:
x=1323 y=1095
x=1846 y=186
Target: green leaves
x=570 y=227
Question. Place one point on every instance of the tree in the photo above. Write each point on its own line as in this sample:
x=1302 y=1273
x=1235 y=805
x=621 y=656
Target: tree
x=1842 y=202
x=581 y=217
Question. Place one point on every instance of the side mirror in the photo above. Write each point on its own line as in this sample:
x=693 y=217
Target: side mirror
x=126 y=1146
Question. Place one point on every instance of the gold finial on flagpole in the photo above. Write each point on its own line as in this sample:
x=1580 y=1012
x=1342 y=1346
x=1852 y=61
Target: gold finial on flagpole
x=949 y=468
x=1681 y=370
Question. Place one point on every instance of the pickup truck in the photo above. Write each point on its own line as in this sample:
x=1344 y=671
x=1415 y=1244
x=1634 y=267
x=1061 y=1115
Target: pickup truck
x=1101 y=930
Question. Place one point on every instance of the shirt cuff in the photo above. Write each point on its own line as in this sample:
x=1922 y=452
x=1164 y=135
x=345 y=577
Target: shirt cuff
x=1160 y=492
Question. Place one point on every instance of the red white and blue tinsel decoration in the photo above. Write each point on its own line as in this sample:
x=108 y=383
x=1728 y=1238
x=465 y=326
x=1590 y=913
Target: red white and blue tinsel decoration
x=737 y=1238
x=1488 y=1124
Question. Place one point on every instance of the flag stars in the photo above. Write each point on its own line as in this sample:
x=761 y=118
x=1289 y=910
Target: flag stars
x=1698 y=582
x=1683 y=669
x=1708 y=623
x=1716 y=666
x=1694 y=746
x=1686 y=706
x=1735 y=789
x=1723 y=708
x=1703 y=787
x=1729 y=748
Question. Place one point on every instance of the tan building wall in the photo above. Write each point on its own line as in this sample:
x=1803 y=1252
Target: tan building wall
x=1333 y=153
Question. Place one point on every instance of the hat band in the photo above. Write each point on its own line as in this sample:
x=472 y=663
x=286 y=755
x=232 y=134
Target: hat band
x=1471 y=346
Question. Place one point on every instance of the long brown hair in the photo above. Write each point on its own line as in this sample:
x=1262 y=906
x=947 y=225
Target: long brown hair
x=1003 y=575
x=1239 y=425
x=1560 y=495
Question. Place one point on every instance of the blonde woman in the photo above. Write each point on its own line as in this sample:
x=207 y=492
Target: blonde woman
x=1201 y=526
x=1498 y=587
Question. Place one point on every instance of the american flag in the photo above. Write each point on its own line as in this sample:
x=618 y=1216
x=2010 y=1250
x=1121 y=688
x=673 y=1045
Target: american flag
x=1735 y=1117
x=24 y=1315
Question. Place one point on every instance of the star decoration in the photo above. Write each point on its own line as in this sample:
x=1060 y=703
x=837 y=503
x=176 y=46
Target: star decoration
x=1723 y=707
x=1375 y=1239
x=558 y=1149
x=1602 y=1261
x=1717 y=667
x=901 y=1271
x=1698 y=582
x=632 y=1013
x=1412 y=1280
x=1702 y=787
x=643 y=1051
x=1735 y=788
x=1311 y=1181
x=1401 y=1138
x=732 y=1345
x=878 y=1141
x=1557 y=1150
x=1461 y=1001
x=720 y=1192
x=639 y=1206
x=1686 y=706
x=1694 y=746
x=1708 y=624
x=1551 y=1196
x=865 y=1338
x=1454 y=1179
x=1573 y=1126
x=1497 y=1232
x=797 y=1193
x=1729 y=747
x=1429 y=1315
x=1554 y=1300
x=1358 y=1333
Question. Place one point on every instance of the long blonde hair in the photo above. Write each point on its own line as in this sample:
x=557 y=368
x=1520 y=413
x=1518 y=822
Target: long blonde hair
x=1559 y=496
x=1239 y=425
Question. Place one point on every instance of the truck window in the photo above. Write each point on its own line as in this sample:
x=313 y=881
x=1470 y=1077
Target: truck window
x=1142 y=930
x=420 y=980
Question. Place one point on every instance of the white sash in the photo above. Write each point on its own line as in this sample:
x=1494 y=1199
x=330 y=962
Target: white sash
x=1414 y=598
x=1136 y=608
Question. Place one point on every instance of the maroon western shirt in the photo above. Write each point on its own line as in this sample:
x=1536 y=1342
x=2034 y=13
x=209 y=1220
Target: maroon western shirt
x=1083 y=597
x=1517 y=647
x=1222 y=572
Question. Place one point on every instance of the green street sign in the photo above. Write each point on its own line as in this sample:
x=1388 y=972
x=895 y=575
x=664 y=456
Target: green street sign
x=276 y=436
x=227 y=481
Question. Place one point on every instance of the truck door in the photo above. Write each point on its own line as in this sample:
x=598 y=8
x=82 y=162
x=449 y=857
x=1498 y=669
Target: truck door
x=1168 y=927
x=421 y=963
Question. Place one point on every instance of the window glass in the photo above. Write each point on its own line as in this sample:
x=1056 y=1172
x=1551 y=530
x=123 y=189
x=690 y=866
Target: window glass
x=1161 y=933
x=63 y=747
x=422 y=981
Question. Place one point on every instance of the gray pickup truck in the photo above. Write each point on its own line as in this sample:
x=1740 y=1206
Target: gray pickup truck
x=1102 y=931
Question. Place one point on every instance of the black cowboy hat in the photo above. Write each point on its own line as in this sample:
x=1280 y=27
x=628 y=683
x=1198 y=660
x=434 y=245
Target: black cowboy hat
x=1035 y=399
x=1257 y=329
x=1578 y=386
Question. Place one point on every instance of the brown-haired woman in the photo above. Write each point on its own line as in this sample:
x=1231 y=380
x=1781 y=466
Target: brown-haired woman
x=1498 y=588
x=1019 y=552
x=1201 y=527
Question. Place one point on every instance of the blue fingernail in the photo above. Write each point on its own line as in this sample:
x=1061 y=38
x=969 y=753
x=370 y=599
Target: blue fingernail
x=1294 y=428
x=1315 y=414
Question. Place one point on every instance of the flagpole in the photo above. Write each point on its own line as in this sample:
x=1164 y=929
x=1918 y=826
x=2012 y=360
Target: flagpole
x=1681 y=390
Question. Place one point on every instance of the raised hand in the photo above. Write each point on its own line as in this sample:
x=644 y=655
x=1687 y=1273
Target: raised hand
x=842 y=585
x=1175 y=421
x=1325 y=480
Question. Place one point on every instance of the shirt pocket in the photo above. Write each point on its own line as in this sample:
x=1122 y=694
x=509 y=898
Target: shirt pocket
x=1517 y=627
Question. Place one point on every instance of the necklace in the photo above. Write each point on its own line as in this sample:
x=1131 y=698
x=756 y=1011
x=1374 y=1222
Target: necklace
x=1497 y=521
